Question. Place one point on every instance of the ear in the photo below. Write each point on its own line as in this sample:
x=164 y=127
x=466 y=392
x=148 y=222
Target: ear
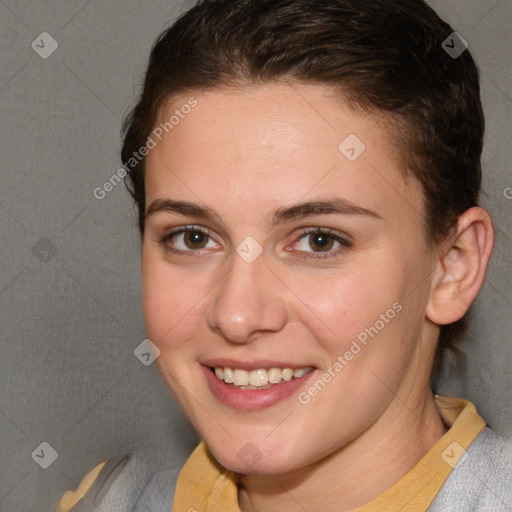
x=461 y=267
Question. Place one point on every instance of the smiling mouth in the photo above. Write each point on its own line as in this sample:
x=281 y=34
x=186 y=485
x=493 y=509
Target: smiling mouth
x=259 y=379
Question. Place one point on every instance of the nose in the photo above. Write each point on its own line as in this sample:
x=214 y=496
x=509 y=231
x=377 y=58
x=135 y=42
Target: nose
x=248 y=299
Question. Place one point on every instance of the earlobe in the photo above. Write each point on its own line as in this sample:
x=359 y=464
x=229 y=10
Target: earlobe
x=461 y=267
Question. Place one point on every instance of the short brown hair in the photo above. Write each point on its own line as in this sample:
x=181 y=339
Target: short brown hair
x=385 y=55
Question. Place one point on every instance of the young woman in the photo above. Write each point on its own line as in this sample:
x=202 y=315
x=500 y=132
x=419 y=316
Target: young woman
x=307 y=177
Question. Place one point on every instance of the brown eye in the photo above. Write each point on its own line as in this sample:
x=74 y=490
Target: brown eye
x=322 y=241
x=188 y=239
x=195 y=239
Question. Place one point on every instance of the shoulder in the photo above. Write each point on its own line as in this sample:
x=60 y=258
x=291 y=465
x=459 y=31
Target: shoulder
x=70 y=498
x=482 y=479
x=124 y=483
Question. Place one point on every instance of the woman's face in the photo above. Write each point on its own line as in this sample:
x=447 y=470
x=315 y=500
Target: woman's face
x=243 y=284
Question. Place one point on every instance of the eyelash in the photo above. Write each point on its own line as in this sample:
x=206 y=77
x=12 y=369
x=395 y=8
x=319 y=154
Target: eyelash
x=345 y=244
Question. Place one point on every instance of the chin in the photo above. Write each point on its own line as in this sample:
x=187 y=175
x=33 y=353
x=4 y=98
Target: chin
x=251 y=459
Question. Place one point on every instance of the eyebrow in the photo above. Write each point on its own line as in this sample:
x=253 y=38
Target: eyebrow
x=335 y=206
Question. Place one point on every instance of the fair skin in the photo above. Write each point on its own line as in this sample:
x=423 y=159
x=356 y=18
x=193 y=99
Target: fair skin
x=245 y=153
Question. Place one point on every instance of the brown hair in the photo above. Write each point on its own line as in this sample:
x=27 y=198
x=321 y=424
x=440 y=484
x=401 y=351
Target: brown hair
x=385 y=55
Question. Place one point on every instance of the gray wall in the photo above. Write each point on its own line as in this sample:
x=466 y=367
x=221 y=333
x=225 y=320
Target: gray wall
x=70 y=287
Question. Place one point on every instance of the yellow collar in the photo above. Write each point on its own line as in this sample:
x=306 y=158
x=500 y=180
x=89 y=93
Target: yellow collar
x=205 y=486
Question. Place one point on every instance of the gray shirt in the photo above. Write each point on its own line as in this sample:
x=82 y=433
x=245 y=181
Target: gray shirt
x=481 y=481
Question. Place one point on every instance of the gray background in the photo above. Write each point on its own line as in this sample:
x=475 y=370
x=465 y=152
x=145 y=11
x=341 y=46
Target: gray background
x=70 y=283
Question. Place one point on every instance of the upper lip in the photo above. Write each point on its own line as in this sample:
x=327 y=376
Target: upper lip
x=253 y=365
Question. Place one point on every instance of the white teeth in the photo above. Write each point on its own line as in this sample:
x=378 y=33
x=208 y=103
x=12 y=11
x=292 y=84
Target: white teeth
x=240 y=377
x=287 y=374
x=228 y=375
x=274 y=375
x=258 y=378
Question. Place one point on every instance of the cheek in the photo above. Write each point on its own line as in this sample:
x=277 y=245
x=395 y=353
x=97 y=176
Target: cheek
x=361 y=320
x=340 y=304
x=168 y=303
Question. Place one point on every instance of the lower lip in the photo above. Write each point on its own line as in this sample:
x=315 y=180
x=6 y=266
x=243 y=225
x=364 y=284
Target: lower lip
x=253 y=399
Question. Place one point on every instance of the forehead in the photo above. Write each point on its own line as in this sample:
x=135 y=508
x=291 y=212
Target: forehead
x=277 y=116
x=299 y=138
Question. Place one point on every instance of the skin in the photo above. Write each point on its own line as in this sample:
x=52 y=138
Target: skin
x=246 y=152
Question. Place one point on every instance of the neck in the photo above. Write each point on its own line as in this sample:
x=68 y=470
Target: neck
x=358 y=472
